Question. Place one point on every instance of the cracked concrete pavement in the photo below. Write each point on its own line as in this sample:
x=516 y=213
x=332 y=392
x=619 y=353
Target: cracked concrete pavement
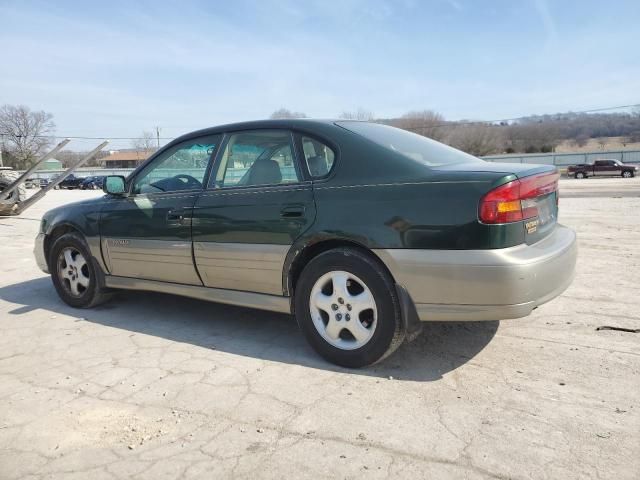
x=155 y=386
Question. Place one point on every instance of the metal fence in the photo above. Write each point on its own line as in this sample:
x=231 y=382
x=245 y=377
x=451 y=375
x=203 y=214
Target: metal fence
x=564 y=159
x=233 y=174
x=559 y=159
x=83 y=172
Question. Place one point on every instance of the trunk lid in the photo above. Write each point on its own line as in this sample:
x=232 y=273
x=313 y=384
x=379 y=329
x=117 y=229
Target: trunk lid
x=523 y=193
x=518 y=169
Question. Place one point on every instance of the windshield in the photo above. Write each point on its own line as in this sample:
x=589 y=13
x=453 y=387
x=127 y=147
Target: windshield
x=413 y=146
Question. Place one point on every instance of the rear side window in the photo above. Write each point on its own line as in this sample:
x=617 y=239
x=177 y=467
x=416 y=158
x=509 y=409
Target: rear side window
x=416 y=147
x=259 y=157
x=318 y=156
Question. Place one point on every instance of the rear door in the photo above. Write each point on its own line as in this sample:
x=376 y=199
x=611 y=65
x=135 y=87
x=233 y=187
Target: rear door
x=257 y=203
x=614 y=168
x=606 y=168
x=148 y=234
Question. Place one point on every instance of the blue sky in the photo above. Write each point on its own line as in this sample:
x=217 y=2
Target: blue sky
x=117 y=68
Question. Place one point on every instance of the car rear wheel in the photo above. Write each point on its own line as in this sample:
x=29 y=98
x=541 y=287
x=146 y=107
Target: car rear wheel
x=627 y=174
x=348 y=309
x=73 y=273
x=580 y=175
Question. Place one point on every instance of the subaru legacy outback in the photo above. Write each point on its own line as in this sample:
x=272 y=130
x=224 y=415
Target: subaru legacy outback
x=360 y=230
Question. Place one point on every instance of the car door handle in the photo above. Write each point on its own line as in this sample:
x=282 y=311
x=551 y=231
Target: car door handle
x=291 y=212
x=176 y=215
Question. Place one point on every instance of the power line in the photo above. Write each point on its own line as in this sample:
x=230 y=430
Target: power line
x=446 y=124
x=477 y=122
x=85 y=138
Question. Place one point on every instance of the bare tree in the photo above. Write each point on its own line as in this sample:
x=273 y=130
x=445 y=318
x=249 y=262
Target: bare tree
x=424 y=122
x=144 y=143
x=582 y=139
x=634 y=137
x=286 y=113
x=25 y=133
x=478 y=139
x=360 y=114
x=532 y=137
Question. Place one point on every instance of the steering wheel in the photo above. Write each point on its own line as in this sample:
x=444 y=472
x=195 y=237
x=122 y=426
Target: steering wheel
x=188 y=180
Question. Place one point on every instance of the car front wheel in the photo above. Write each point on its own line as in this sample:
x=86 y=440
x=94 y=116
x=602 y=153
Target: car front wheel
x=348 y=309
x=627 y=174
x=580 y=175
x=74 y=275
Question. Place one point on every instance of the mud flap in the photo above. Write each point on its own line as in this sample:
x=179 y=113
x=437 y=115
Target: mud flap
x=412 y=324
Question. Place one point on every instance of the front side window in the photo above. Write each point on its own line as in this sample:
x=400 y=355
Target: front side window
x=319 y=157
x=180 y=168
x=259 y=157
x=416 y=147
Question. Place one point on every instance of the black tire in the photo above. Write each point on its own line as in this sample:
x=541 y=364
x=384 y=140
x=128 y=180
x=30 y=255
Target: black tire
x=389 y=332
x=93 y=294
x=7 y=177
x=580 y=175
x=627 y=174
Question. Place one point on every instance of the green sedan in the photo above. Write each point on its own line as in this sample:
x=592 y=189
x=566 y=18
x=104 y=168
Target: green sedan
x=361 y=230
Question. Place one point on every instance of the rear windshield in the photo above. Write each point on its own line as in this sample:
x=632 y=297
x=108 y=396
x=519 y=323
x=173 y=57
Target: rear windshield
x=413 y=146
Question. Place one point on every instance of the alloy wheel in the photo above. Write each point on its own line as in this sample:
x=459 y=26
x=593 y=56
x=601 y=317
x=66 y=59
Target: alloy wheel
x=343 y=310
x=73 y=271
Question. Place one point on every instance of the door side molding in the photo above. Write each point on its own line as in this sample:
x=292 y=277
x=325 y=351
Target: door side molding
x=261 y=301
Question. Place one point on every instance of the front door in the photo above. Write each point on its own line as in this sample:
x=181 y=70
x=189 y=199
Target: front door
x=257 y=204
x=613 y=168
x=148 y=233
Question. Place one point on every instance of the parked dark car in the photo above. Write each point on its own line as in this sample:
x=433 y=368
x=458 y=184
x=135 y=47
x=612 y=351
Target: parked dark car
x=31 y=182
x=602 y=168
x=94 y=182
x=71 y=182
x=361 y=230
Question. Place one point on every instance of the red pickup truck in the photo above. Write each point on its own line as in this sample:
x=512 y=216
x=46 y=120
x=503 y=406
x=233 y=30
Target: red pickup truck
x=602 y=168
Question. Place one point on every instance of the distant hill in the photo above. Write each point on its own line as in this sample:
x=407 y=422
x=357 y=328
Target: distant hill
x=562 y=132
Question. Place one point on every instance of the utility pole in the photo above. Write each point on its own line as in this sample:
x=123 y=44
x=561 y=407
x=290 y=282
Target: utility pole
x=158 y=136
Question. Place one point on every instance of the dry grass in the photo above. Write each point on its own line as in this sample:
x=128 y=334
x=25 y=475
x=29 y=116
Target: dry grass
x=593 y=144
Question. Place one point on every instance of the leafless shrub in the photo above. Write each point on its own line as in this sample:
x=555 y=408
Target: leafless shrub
x=285 y=113
x=360 y=114
x=477 y=139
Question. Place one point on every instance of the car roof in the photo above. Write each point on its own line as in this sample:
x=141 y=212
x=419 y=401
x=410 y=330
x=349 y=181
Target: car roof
x=292 y=123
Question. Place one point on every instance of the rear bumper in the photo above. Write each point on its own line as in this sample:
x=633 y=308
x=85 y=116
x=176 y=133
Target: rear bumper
x=38 y=252
x=471 y=285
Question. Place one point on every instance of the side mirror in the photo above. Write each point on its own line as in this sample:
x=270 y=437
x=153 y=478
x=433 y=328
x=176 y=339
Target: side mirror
x=114 y=185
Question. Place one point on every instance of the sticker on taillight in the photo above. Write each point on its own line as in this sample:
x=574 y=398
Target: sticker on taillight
x=531 y=226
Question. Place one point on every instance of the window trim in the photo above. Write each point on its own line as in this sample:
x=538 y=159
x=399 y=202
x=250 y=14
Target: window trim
x=211 y=186
x=325 y=141
x=160 y=155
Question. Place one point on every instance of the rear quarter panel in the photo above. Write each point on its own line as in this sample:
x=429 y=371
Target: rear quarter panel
x=433 y=213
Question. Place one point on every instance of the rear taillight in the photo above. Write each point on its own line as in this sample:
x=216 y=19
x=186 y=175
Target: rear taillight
x=516 y=200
